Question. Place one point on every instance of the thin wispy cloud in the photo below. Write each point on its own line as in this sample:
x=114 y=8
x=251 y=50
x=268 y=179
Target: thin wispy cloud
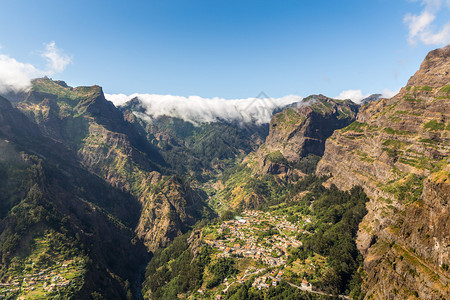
x=16 y=75
x=422 y=27
x=197 y=110
x=57 y=60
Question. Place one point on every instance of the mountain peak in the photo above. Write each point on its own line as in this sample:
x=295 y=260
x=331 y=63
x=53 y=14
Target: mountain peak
x=62 y=90
x=302 y=128
x=434 y=71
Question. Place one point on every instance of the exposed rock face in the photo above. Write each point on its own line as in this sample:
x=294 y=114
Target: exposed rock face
x=13 y=124
x=303 y=128
x=373 y=97
x=269 y=167
x=111 y=147
x=43 y=188
x=296 y=139
x=168 y=212
x=398 y=151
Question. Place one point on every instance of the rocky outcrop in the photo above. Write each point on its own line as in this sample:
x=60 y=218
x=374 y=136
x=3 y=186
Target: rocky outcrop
x=168 y=212
x=303 y=128
x=398 y=150
x=291 y=150
x=44 y=191
x=373 y=97
x=111 y=147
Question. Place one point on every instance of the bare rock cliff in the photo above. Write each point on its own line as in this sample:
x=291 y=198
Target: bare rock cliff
x=303 y=128
x=398 y=150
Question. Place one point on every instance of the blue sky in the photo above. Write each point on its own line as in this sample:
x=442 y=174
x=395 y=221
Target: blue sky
x=230 y=49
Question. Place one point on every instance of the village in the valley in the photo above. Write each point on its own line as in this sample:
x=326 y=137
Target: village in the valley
x=263 y=240
x=32 y=281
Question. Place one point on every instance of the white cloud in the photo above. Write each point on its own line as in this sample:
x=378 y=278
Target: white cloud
x=389 y=94
x=357 y=95
x=57 y=61
x=354 y=95
x=421 y=26
x=117 y=99
x=16 y=76
x=197 y=110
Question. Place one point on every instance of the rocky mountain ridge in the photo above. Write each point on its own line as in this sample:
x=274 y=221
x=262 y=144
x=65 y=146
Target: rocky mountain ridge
x=108 y=146
x=292 y=148
x=48 y=198
x=97 y=176
x=398 y=150
x=303 y=128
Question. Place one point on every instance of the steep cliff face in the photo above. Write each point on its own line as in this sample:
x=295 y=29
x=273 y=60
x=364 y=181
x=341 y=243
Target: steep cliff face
x=303 y=128
x=177 y=206
x=51 y=211
x=298 y=133
x=295 y=142
x=398 y=150
x=107 y=145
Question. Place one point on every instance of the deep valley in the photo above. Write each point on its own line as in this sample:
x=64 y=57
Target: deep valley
x=330 y=199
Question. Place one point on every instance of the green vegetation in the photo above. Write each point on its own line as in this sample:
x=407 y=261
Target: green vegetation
x=420 y=162
x=344 y=113
x=174 y=270
x=365 y=157
x=52 y=212
x=242 y=189
x=445 y=89
x=288 y=117
x=336 y=216
x=307 y=164
x=428 y=141
x=328 y=244
x=277 y=158
x=425 y=88
x=61 y=91
x=283 y=291
x=406 y=190
x=356 y=126
x=434 y=125
x=52 y=268
x=405 y=112
x=395 y=119
x=413 y=100
x=27 y=266
x=204 y=150
x=390 y=130
x=221 y=269
x=396 y=144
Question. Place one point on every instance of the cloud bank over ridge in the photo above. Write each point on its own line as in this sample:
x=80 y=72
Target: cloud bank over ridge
x=197 y=110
